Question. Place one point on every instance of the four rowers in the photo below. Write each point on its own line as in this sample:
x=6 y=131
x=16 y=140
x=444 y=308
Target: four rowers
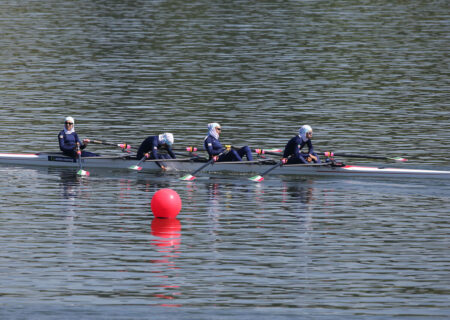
x=150 y=147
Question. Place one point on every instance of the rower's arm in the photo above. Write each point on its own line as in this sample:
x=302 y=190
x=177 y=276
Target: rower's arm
x=171 y=153
x=310 y=147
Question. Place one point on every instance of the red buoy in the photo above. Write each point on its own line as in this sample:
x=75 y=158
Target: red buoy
x=166 y=203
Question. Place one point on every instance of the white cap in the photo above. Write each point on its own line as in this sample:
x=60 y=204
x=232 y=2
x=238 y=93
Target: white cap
x=213 y=125
x=69 y=119
x=303 y=131
x=166 y=138
x=212 y=129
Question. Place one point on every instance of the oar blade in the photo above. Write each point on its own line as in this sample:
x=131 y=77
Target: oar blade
x=135 y=167
x=274 y=150
x=188 y=177
x=399 y=159
x=257 y=178
x=83 y=173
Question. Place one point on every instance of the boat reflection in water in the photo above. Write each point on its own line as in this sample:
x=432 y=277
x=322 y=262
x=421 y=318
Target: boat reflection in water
x=167 y=243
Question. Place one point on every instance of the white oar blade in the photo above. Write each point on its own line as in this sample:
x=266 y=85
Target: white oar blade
x=257 y=178
x=136 y=167
x=83 y=173
x=187 y=177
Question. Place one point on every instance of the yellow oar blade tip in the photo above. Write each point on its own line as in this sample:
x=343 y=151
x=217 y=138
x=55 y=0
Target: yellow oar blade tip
x=187 y=177
x=256 y=178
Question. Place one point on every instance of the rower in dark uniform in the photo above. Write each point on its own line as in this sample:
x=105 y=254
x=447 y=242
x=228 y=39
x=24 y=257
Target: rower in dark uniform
x=152 y=144
x=292 y=151
x=214 y=147
x=68 y=140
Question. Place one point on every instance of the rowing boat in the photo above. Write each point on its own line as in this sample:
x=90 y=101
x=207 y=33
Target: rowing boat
x=244 y=167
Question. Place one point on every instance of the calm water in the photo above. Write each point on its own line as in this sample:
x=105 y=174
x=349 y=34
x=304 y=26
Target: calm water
x=369 y=77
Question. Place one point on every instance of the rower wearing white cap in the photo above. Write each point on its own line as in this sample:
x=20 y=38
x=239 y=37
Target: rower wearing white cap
x=68 y=140
x=292 y=151
x=214 y=147
x=152 y=144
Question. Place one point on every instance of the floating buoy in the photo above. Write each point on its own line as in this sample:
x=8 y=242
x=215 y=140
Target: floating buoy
x=166 y=203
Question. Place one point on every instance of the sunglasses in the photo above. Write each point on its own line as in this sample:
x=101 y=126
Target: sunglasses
x=68 y=123
x=219 y=129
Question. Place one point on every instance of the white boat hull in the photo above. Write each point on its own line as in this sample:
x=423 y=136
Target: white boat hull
x=59 y=160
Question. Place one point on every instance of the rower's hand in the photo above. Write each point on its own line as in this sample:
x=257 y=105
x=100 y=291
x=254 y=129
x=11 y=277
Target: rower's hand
x=147 y=155
x=163 y=168
x=86 y=141
x=284 y=160
x=312 y=158
x=215 y=158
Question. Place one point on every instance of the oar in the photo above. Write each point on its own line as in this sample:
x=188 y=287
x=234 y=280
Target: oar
x=260 y=177
x=138 y=165
x=191 y=176
x=191 y=149
x=274 y=151
x=123 y=146
x=81 y=172
x=348 y=155
x=187 y=150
